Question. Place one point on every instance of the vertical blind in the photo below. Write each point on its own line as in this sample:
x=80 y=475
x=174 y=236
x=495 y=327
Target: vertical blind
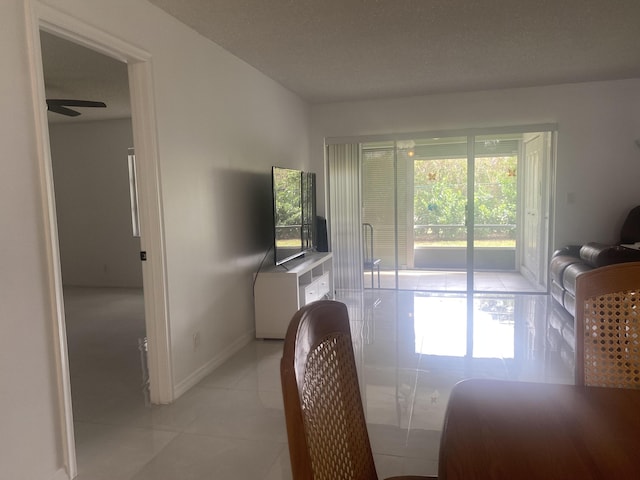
x=344 y=214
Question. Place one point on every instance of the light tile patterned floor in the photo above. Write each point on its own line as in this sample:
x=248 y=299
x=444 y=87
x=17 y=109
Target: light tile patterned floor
x=231 y=425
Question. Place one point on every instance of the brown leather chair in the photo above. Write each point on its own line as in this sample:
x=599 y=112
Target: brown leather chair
x=608 y=326
x=326 y=426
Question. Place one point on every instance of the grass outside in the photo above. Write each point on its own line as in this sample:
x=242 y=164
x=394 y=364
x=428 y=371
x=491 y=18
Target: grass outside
x=488 y=243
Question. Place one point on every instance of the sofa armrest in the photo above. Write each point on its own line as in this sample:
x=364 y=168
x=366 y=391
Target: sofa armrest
x=568 y=251
x=599 y=254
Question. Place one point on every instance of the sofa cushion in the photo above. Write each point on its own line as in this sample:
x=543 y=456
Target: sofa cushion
x=599 y=254
x=571 y=273
x=557 y=292
x=570 y=304
x=557 y=266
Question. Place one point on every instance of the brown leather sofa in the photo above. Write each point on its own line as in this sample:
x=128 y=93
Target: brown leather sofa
x=566 y=265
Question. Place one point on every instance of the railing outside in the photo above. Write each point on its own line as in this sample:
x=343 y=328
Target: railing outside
x=454 y=235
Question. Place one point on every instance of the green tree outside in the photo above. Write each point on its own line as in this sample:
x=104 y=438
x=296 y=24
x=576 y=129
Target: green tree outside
x=440 y=197
x=287 y=204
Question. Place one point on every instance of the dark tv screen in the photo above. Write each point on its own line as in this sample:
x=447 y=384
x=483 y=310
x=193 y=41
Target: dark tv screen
x=293 y=213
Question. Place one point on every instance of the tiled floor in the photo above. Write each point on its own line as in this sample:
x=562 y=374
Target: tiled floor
x=231 y=426
x=453 y=280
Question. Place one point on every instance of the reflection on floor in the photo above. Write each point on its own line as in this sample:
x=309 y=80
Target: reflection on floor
x=410 y=347
x=448 y=281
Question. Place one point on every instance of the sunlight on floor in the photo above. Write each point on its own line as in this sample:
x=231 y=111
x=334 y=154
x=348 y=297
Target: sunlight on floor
x=440 y=325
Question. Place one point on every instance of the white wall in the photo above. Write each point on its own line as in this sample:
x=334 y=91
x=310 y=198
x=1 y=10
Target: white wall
x=221 y=125
x=598 y=163
x=29 y=443
x=90 y=169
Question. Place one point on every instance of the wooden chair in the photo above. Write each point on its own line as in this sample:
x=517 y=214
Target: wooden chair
x=370 y=261
x=608 y=326
x=326 y=428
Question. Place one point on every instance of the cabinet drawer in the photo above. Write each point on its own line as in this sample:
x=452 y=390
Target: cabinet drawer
x=323 y=285
x=310 y=293
x=314 y=290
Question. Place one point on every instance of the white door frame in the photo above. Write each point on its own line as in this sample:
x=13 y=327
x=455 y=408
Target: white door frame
x=40 y=16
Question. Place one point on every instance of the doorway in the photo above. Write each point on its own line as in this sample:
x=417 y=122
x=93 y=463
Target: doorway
x=99 y=252
x=45 y=18
x=459 y=213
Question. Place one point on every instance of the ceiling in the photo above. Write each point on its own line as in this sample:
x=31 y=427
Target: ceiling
x=336 y=50
x=340 y=50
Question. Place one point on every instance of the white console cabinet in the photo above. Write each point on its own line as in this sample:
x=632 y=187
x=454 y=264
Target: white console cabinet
x=280 y=291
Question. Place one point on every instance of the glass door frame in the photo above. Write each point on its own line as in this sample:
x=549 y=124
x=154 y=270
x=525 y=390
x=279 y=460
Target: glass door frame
x=471 y=135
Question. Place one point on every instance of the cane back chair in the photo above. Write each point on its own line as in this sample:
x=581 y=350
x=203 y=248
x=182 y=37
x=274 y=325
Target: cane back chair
x=326 y=428
x=608 y=326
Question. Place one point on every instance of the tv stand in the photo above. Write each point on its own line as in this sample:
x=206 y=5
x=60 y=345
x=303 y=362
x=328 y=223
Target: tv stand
x=279 y=292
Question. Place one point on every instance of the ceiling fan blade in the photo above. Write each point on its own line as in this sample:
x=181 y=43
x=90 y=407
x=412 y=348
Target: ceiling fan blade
x=75 y=103
x=62 y=110
x=59 y=105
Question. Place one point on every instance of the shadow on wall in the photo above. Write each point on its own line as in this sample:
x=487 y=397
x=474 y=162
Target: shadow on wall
x=242 y=213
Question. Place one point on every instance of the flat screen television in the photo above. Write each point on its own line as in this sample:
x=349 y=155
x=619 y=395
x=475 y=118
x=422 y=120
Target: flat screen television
x=294 y=213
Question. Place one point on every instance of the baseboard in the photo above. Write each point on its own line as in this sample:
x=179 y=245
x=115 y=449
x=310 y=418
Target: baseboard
x=61 y=475
x=212 y=364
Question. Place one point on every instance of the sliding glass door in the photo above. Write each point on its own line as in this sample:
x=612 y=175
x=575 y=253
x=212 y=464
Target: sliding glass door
x=495 y=212
x=415 y=201
x=460 y=223
x=440 y=212
x=457 y=213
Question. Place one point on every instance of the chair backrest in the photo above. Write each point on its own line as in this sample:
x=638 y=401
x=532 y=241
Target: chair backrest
x=326 y=426
x=367 y=242
x=608 y=326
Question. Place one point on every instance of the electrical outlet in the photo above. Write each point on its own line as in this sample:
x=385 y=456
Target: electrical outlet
x=196 y=341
